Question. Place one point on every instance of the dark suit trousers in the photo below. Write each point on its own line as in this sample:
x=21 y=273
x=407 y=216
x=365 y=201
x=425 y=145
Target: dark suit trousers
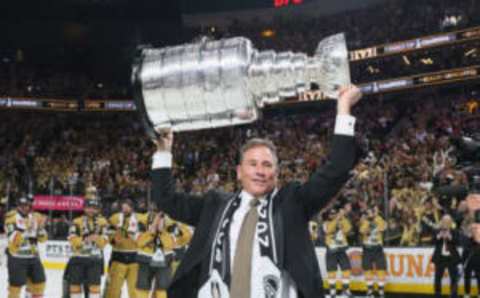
x=440 y=267
x=473 y=267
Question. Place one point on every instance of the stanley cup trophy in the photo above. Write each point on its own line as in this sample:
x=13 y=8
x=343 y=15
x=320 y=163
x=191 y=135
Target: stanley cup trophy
x=226 y=82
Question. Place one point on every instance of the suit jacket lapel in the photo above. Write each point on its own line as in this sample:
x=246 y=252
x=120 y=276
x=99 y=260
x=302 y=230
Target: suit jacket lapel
x=196 y=255
x=279 y=231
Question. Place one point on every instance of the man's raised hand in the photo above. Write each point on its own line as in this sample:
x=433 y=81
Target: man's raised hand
x=348 y=97
x=164 y=141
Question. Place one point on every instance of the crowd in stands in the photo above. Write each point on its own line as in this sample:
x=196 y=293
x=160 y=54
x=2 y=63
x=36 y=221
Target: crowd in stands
x=406 y=141
x=396 y=20
x=22 y=78
x=407 y=153
x=386 y=22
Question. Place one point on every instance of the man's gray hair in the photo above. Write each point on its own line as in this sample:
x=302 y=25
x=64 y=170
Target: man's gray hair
x=259 y=142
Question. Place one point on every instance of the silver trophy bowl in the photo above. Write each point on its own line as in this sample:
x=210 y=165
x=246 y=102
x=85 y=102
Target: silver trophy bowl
x=226 y=82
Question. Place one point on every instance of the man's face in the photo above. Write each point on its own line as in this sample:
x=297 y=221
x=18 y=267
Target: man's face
x=473 y=205
x=257 y=171
x=376 y=211
x=473 y=202
x=332 y=215
x=24 y=208
x=476 y=232
x=126 y=209
x=446 y=222
x=90 y=211
x=370 y=213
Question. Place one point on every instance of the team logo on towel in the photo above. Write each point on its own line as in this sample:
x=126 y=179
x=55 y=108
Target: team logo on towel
x=215 y=290
x=271 y=286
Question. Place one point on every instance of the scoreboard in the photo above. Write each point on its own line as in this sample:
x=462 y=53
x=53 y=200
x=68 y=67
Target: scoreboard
x=211 y=6
x=283 y=3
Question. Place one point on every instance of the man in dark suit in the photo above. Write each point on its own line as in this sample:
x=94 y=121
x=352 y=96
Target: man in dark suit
x=255 y=243
x=446 y=256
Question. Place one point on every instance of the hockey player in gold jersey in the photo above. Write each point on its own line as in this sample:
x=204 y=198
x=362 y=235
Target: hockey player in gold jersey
x=88 y=236
x=124 y=230
x=181 y=235
x=25 y=229
x=156 y=255
x=337 y=228
x=372 y=227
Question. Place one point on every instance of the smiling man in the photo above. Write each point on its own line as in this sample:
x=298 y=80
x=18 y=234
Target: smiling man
x=255 y=243
x=258 y=167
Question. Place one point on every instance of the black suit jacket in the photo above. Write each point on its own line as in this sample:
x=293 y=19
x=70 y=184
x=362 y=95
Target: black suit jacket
x=452 y=244
x=294 y=206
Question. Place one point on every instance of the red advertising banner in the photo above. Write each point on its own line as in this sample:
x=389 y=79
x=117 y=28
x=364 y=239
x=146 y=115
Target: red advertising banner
x=60 y=203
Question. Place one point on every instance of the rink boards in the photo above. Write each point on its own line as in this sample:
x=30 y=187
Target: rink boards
x=409 y=270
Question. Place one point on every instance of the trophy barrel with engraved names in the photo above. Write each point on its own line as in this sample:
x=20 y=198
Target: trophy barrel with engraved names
x=226 y=82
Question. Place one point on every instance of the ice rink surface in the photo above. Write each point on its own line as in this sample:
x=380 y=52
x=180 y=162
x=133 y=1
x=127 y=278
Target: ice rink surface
x=54 y=285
